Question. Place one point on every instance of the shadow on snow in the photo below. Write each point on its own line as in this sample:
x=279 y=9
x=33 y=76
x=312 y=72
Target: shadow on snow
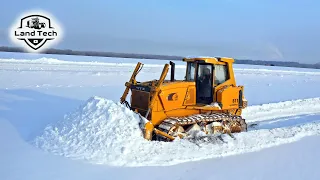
x=30 y=111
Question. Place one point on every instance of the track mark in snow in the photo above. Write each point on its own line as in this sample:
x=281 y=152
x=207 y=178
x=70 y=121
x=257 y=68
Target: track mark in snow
x=282 y=109
x=286 y=122
x=103 y=132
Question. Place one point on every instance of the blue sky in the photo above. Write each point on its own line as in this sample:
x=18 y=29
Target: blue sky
x=267 y=29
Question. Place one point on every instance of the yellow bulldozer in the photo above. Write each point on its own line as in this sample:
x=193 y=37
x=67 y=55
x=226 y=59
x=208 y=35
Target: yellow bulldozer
x=207 y=100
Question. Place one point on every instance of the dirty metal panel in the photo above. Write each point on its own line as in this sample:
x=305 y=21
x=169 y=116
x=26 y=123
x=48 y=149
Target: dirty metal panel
x=140 y=99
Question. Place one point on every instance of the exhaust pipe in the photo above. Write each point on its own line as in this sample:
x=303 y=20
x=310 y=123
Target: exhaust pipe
x=172 y=64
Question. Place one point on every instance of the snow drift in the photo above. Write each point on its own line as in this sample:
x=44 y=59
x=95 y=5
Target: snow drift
x=104 y=132
x=100 y=131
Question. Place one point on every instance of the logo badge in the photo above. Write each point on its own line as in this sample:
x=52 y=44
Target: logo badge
x=173 y=97
x=35 y=31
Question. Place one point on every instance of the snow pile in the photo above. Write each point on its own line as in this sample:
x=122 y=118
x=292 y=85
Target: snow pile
x=103 y=132
x=98 y=131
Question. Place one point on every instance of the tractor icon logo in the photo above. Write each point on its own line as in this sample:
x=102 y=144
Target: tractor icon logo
x=173 y=97
x=34 y=23
x=35 y=31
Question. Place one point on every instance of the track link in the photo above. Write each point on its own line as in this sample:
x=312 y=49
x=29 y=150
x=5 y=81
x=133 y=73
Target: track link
x=213 y=123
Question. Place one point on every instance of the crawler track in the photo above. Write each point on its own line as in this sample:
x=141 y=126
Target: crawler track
x=214 y=123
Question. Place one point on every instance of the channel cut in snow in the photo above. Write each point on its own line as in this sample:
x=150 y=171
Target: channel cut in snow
x=281 y=109
x=104 y=132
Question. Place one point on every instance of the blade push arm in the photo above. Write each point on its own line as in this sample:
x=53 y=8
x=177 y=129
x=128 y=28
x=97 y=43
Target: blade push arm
x=132 y=79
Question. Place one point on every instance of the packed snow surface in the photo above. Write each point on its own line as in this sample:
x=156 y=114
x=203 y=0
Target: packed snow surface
x=39 y=96
x=104 y=132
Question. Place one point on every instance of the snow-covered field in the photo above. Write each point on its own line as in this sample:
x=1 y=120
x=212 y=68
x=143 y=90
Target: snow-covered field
x=60 y=119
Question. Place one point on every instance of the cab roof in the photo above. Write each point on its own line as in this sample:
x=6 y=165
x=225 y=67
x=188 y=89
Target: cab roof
x=212 y=60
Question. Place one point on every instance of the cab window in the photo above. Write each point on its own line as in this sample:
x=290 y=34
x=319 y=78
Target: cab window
x=221 y=74
x=191 y=71
x=205 y=70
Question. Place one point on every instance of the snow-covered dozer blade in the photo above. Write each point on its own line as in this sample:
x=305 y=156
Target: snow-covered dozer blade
x=201 y=102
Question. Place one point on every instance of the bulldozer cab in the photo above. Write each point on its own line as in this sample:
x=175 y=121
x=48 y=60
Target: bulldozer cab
x=202 y=74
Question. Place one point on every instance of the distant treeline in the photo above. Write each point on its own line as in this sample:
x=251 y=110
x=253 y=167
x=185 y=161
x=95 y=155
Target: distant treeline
x=278 y=63
x=159 y=57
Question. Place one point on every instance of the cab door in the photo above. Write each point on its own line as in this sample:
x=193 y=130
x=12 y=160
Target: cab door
x=190 y=97
x=204 y=83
